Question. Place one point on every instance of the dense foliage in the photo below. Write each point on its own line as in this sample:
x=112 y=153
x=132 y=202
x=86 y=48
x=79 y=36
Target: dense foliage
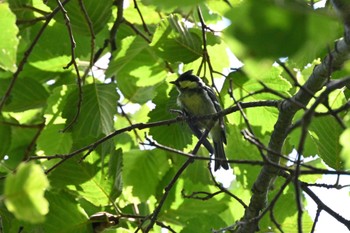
x=91 y=140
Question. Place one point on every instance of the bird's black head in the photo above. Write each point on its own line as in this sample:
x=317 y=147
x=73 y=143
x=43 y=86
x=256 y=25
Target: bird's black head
x=187 y=80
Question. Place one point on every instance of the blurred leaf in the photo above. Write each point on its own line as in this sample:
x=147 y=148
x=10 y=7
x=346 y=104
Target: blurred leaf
x=8 y=38
x=24 y=193
x=264 y=27
x=174 y=43
x=317 y=41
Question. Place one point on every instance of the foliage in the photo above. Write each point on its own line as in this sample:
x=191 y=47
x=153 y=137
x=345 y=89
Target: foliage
x=90 y=141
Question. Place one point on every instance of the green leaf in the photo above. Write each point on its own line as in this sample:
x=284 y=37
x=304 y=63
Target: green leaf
x=69 y=173
x=219 y=58
x=174 y=43
x=96 y=179
x=345 y=152
x=97 y=110
x=8 y=38
x=285 y=211
x=167 y=5
x=24 y=193
x=267 y=29
x=104 y=184
x=5 y=138
x=143 y=171
x=53 y=141
x=317 y=40
x=325 y=132
x=98 y=11
x=26 y=94
x=264 y=117
x=203 y=223
x=239 y=148
x=115 y=173
x=47 y=56
x=190 y=208
x=65 y=215
x=137 y=69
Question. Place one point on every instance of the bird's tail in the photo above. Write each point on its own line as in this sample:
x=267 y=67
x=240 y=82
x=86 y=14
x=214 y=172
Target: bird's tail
x=220 y=155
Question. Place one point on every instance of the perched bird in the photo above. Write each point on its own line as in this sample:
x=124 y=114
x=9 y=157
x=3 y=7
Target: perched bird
x=196 y=99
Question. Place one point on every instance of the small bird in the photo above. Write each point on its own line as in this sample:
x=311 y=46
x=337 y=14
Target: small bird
x=196 y=99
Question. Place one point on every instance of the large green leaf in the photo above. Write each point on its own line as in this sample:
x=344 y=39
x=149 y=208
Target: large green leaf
x=8 y=38
x=137 y=69
x=143 y=171
x=24 y=193
x=97 y=179
x=98 y=11
x=98 y=107
x=26 y=94
x=49 y=57
x=326 y=132
x=268 y=29
x=65 y=215
x=264 y=117
x=317 y=40
x=173 y=42
x=105 y=184
x=53 y=141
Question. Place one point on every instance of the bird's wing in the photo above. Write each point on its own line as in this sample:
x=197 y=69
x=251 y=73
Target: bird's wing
x=198 y=133
x=217 y=106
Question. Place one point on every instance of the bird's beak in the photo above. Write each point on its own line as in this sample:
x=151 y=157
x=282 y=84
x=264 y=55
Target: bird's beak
x=173 y=82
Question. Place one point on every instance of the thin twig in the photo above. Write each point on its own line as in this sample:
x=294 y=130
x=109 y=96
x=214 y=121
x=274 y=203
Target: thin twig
x=74 y=63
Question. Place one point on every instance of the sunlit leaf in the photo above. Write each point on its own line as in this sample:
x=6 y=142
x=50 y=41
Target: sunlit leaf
x=325 y=132
x=8 y=38
x=173 y=42
x=24 y=193
x=97 y=110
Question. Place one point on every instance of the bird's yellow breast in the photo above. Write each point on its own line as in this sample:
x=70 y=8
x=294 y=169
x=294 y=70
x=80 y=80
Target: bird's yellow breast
x=196 y=103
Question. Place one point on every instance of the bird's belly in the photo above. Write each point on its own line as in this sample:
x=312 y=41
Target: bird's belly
x=196 y=105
